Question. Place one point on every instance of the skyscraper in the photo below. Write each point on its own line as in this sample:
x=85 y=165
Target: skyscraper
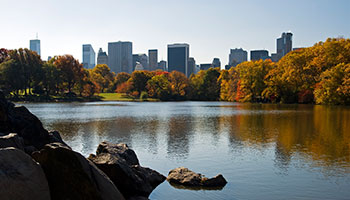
x=153 y=59
x=102 y=57
x=191 y=66
x=237 y=56
x=259 y=55
x=216 y=63
x=284 y=45
x=120 y=56
x=178 y=55
x=88 y=56
x=162 y=65
x=140 y=58
x=34 y=45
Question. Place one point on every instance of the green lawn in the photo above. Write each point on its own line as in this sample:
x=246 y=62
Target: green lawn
x=121 y=97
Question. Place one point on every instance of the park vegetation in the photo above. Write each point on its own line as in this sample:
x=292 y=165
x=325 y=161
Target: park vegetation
x=319 y=74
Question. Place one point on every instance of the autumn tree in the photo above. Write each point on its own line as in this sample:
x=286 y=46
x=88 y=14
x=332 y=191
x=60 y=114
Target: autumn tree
x=179 y=84
x=103 y=76
x=71 y=71
x=159 y=87
x=139 y=80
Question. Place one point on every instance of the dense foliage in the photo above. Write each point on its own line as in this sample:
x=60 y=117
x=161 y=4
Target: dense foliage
x=318 y=74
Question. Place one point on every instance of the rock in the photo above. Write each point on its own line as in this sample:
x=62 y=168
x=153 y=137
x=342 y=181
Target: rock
x=71 y=176
x=21 y=121
x=119 y=150
x=11 y=140
x=133 y=181
x=21 y=177
x=186 y=177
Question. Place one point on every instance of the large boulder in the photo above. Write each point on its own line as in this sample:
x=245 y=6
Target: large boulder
x=18 y=119
x=118 y=162
x=186 y=177
x=71 y=176
x=120 y=150
x=21 y=178
x=11 y=140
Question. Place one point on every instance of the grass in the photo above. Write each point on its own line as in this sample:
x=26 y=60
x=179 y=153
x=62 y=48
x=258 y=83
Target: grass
x=121 y=97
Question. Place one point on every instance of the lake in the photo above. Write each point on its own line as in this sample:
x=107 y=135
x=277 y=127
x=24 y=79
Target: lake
x=264 y=151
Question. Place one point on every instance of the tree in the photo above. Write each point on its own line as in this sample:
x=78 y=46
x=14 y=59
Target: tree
x=121 y=77
x=179 y=84
x=139 y=80
x=71 y=71
x=334 y=86
x=102 y=75
x=252 y=76
x=3 y=55
x=51 y=78
x=159 y=87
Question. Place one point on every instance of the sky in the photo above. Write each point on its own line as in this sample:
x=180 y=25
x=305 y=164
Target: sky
x=210 y=27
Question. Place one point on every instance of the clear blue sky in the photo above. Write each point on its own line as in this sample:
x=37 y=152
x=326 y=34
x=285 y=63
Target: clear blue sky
x=211 y=27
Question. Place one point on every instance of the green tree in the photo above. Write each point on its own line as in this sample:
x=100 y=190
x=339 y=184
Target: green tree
x=159 y=87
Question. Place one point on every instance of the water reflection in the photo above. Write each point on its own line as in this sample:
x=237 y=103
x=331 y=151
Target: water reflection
x=179 y=134
x=242 y=141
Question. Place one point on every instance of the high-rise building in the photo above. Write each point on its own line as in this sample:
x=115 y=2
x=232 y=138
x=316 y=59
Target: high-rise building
x=162 y=65
x=34 y=45
x=102 y=57
x=120 y=57
x=259 y=55
x=205 y=66
x=237 y=56
x=216 y=63
x=153 y=59
x=191 y=66
x=88 y=56
x=140 y=58
x=138 y=67
x=178 y=55
x=284 y=46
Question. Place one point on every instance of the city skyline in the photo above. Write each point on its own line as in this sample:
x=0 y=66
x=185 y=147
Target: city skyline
x=212 y=30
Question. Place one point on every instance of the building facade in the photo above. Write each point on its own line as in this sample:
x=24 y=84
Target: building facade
x=178 y=55
x=237 y=56
x=205 y=66
x=102 y=57
x=120 y=57
x=142 y=59
x=284 y=45
x=216 y=63
x=88 y=56
x=162 y=65
x=191 y=66
x=153 y=59
x=259 y=55
x=34 y=45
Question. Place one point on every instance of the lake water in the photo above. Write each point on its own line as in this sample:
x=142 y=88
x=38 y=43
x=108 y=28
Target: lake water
x=264 y=151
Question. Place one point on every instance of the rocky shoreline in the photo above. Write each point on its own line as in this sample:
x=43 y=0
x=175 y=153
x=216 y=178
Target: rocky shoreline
x=37 y=164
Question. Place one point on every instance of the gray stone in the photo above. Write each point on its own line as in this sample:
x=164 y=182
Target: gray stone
x=71 y=176
x=186 y=177
x=131 y=180
x=21 y=178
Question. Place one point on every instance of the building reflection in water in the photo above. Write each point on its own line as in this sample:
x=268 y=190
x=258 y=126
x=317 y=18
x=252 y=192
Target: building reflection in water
x=179 y=134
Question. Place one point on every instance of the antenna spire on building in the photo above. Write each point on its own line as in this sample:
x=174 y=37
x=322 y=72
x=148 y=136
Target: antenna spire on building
x=36 y=35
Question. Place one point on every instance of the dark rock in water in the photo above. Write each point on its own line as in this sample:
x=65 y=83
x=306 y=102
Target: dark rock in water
x=21 y=177
x=120 y=150
x=133 y=181
x=19 y=120
x=71 y=176
x=11 y=140
x=186 y=177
